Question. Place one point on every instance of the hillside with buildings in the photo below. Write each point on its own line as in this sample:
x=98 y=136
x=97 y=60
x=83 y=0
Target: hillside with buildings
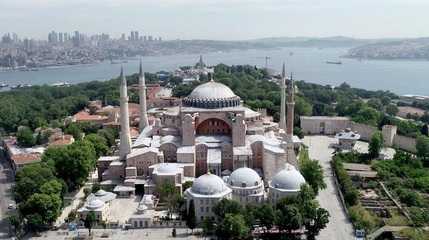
x=411 y=49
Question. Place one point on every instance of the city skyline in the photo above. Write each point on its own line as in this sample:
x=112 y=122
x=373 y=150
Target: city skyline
x=225 y=20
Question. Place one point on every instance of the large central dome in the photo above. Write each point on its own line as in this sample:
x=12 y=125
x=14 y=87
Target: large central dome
x=212 y=95
x=212 y=90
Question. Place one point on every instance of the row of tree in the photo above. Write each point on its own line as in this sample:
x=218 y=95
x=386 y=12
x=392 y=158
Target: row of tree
x=291 y=216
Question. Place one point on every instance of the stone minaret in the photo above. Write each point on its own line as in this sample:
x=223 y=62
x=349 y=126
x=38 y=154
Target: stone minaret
x=282 y=123
x=290 y=148
x=290 y=108
x=125 y=136
x=142 y=96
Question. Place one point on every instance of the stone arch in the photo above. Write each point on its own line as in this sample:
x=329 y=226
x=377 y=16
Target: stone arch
x=213 y=126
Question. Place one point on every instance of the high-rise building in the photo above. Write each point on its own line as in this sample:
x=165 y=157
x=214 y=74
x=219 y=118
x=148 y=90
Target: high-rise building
x=123 y=36
x=60 y=37
x=150 y=38
x=53 y=37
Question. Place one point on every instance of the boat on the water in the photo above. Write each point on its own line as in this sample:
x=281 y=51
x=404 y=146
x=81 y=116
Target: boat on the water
x=3 y=85
x=60 y=84
x=334 y=62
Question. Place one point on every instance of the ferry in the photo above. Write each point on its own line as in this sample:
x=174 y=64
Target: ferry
x=3 y=85
x=60 y=84
x=334 y=62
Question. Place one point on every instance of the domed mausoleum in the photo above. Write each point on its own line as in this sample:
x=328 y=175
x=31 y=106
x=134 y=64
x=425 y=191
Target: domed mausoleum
x=206 y=191
x=247 y=186
x=285 y=183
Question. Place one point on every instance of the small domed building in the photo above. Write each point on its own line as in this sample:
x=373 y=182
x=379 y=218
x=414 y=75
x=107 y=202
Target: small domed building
x=206 y=191
x=246 y=185
x=286 y=183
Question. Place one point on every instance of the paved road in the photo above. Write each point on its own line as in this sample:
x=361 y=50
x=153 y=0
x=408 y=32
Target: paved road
x=117 y=234
x=339 y=227
x=5 y=194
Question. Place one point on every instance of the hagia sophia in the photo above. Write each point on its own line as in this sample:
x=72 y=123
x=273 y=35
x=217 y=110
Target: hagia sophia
x=211 y=139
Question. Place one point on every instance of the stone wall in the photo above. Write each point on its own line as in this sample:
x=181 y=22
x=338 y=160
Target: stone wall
x=324 y=125
x=364 y=130
x=405 y=143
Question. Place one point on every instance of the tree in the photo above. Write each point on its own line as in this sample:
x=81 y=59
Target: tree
x=233 y=226
x=41 y=210
x=29 y=180
x=72 y=163
x=186 y=185
x=90 y=221
x=191 y=220
x=208 y=226
x=392 y=109
x=15 y=222
x=226 y=206
x=266 y=215
x=422 y=146
x=312 y=171
x=74 y=129
x=99 y=143
x=288 y=219
x=319 y=221
x=375 y=144
x=25 y=137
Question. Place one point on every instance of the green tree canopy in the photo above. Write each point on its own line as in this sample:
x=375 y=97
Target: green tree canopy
x=25 y=137
x=226 y=206
x=375 y=145
x=233 y=226
x=41 y=210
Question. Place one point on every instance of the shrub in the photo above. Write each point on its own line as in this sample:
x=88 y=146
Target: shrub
x=362 y=219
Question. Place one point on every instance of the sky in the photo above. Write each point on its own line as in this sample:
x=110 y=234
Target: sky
x=218 y=19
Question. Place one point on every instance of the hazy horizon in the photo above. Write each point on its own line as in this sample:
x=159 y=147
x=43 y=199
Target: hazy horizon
x=219 y=20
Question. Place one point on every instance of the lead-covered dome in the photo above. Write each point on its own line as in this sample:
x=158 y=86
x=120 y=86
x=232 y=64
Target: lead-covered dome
x=212 y=95
x=288 y=179
x=209 y=184
x=244 y=177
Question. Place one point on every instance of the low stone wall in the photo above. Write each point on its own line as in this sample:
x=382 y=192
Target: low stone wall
x=364 y=130
x=405 y=143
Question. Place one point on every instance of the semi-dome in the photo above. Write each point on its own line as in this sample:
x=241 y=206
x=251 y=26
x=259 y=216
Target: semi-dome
x=209 y=184
x=244 y=177
x=288 y=179
x=212 y=95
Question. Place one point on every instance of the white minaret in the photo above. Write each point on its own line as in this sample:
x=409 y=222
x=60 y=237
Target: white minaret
x=125 y=136
x=144 y=122
x=282 y=123
x=290 y=109
x=290 y=148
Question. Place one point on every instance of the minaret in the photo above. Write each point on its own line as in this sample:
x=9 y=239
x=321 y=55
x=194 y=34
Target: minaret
x=142 y=96
x=201 y=63
x=290 y=109
x=125 y=136
x=290 y=148
x=282 y=123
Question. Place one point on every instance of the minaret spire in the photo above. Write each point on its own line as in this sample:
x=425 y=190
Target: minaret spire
x=282 y=123
x=142 y=96
x=125 y=136
x=290 y=108
x=290 y=147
